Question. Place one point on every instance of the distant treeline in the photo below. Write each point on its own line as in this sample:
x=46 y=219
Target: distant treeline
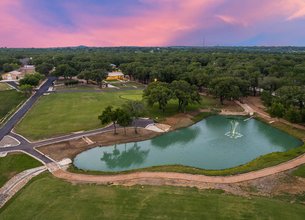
x=226 y=72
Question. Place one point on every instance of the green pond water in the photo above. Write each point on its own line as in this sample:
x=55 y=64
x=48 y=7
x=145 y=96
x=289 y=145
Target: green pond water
x=217 y=142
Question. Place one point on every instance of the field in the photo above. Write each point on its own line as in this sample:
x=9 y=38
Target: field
x=49 y=198
x=13 y=164
x=4 y=87
x=9 y=100
x=64 y=113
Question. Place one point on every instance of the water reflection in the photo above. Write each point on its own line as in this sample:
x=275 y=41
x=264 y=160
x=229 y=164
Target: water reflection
x=125 y=158
x=183 y=136
x=202 y=145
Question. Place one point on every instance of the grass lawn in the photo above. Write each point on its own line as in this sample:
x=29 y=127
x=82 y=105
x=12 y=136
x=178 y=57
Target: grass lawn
x=4 y=87
x=49 y=198
x=64 y=113
x=9 y=100
x=300 y=171
x=171 y=108
x=13 y=164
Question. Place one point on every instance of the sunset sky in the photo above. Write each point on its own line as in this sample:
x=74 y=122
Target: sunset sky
x=57 y=23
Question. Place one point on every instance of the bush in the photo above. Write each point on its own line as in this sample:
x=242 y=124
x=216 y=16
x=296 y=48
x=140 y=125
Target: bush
x=303 y=115
x=276 y=110
x=71 y=82
x=293 y=115
x=267 y=98
x=31 y=79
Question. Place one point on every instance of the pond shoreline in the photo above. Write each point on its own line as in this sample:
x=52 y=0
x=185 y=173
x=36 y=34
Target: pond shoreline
x=256 y=164
x=192 y=118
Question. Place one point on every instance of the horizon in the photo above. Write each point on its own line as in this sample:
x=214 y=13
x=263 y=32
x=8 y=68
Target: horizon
x=152 y=23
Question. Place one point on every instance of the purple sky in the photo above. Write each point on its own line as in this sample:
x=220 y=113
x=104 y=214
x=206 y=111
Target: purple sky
x=52 y=23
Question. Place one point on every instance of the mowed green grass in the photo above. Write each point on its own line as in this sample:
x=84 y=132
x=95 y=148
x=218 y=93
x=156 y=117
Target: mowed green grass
x=63 y=113
x=9 y=100
x=13 y=164
x=49 y=198
x=300 y=171
x=4 y=86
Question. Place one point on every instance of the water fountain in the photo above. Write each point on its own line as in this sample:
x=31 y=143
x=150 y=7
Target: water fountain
x=233 y=133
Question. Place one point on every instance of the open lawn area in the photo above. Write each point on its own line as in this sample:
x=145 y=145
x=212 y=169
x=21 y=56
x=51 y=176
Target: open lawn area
x=63 y=113
x=4 y=86
x=49 y=198
x=13 y=164
x=9 y=100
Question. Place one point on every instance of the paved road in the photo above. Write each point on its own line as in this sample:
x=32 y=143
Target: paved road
x=13 y=84
x=21 y=112
x=29 y=148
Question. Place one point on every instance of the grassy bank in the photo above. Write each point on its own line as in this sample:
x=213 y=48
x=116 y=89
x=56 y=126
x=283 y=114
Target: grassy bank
x=9 y=100
x=50 y=198
x=13 y=164
x=4 y=87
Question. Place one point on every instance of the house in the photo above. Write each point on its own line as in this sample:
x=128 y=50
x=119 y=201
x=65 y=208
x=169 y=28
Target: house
x=19 y=74
x=13 y=75
x=27 y=69
x=115 y=76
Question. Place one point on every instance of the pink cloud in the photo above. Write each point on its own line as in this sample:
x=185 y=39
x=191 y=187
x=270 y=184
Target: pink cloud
x=158 y=24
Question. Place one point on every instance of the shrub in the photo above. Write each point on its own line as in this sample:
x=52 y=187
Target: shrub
x=267 y=98
x=71 y=82
x=276 y=110
x=31 y=79
x=293 y=115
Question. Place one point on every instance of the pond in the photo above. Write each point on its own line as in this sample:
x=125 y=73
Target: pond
x=218 y=142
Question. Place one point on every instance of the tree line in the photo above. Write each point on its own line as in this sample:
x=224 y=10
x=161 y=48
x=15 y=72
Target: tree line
x=226 y=73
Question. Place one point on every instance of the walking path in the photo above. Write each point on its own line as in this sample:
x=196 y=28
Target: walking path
x=17 y=182
x=254 y=104
x=177 y=178
x=135 y=178
x=31 y=147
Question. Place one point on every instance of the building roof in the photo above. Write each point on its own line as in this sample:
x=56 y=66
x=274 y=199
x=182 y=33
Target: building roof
x=28 y=67
x=115 y=74
x=14 y=72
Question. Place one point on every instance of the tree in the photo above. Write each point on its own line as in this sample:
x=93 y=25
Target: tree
x=26 y=89
x=276 y=110
x=135 y=109
x=185 y=93
x=65 y=70
x=31 y=79
x=109 y=115
x=271 y=83
x=7 y=67
x=229 y=88
x=44 y=68
x=86 y=75
x=158 y=92
x=293 y=115
x=291 y=95
x=254 y=81
x=99 y=76
x=124 y=118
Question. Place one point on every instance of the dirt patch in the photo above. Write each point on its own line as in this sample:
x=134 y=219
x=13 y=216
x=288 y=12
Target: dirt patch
x=231 y=106
x=179 y=120
x=69 y=149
